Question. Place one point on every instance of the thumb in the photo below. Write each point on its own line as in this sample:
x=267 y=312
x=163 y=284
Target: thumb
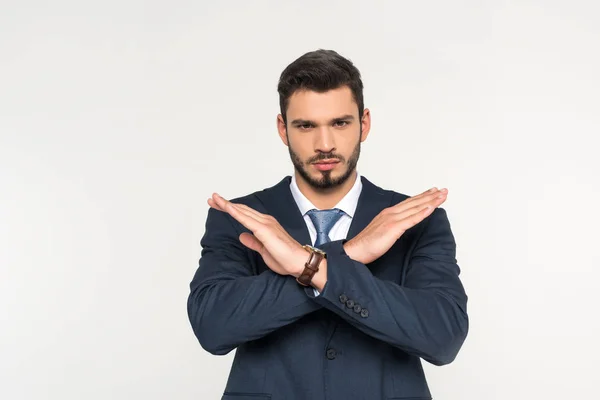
x=250 y=241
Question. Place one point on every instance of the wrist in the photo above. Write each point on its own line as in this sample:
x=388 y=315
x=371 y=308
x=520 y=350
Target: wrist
x=350 y=249
x=299 y=262
x=312 y=267
x=320 y=278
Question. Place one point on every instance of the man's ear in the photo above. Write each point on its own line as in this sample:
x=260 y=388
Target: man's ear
x=366 y=124
x=281 y=128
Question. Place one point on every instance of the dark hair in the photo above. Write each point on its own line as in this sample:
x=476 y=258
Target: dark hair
x=319 y=71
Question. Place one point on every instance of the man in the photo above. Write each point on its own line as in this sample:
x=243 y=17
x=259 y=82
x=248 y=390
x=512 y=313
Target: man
x=328 y=286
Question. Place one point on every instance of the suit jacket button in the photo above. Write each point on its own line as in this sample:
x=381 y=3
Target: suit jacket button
x=343 y=298
x=364 y=313
x=331 y=353
x=357 y=308
x=350 y=303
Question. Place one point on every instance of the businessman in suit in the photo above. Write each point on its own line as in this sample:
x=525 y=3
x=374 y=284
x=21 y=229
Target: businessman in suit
x=328 y=286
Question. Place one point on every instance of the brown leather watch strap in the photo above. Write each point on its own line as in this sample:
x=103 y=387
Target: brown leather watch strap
x=311 y=267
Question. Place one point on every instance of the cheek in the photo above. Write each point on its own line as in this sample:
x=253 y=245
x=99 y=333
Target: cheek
x=300 y=147
x=347 y=143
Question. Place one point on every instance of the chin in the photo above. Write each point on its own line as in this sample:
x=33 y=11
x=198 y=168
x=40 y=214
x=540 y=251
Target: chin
x=329 y=180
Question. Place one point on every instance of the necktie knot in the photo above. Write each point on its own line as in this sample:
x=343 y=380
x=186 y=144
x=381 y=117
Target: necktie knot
x=324 y=220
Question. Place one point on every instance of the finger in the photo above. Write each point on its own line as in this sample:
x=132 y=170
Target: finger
x=253 y=212
x=251 y=242
x=220 y=202
x=433 y=190
x=436 y=199
x=421 y=206
x=411 y=211
x=264 y=218
x=425 y=193
x=411 y=220
x=244 y=218
x=240 y=215
x=247 y=211
x=418 y=200
x=416 y=214
x=214 y=205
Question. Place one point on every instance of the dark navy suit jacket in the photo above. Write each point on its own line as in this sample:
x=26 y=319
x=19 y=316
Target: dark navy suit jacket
x=362 y=338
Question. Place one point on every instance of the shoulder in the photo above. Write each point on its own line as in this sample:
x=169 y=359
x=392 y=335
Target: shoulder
x=261 y=199
x=394 y=196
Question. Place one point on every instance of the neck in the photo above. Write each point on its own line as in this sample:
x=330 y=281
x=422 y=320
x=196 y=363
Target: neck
x=325 y=199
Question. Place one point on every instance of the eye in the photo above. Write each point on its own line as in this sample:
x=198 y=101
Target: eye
x=340 y=124
x=304 y=126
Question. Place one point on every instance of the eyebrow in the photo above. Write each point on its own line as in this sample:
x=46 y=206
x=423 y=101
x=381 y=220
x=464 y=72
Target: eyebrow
x=347 y=117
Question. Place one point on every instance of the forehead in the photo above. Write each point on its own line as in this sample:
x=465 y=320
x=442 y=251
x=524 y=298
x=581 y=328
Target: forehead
x=307 y=104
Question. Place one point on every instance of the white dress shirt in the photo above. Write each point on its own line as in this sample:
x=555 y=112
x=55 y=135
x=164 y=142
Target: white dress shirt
x=347 y=204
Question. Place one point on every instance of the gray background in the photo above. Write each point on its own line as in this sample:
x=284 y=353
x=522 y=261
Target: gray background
x=118 y=119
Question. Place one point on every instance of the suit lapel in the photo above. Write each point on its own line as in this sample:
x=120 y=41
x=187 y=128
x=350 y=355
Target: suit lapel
x=279 y=203
x=372 y=201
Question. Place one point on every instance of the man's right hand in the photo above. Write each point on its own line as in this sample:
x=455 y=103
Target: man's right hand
x=391 y=223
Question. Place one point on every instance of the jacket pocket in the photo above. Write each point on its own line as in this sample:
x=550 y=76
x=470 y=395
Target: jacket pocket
x=245 y=396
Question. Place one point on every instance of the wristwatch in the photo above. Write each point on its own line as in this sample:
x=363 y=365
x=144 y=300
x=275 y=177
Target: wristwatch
x=311 y=267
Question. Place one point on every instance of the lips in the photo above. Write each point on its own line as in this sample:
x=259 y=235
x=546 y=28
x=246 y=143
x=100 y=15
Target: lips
x=326 y=165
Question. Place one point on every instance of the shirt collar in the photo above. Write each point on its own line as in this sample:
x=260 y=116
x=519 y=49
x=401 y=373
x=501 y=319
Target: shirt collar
x=347 y=204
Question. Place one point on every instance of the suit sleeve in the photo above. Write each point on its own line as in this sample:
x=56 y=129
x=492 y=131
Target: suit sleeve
x=229 y=303
x=425 y=316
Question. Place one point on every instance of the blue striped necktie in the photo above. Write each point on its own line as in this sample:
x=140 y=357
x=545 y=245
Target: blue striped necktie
x=324 y=220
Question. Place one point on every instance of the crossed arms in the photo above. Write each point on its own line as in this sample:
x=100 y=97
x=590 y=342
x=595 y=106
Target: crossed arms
x=230 y=304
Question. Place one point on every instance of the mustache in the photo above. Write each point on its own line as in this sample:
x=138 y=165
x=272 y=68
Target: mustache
x=326 y=156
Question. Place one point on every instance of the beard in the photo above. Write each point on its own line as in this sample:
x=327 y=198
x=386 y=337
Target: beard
x=326 y=181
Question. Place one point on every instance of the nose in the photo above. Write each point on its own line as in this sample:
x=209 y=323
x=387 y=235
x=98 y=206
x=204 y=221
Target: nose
x=324 y=142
